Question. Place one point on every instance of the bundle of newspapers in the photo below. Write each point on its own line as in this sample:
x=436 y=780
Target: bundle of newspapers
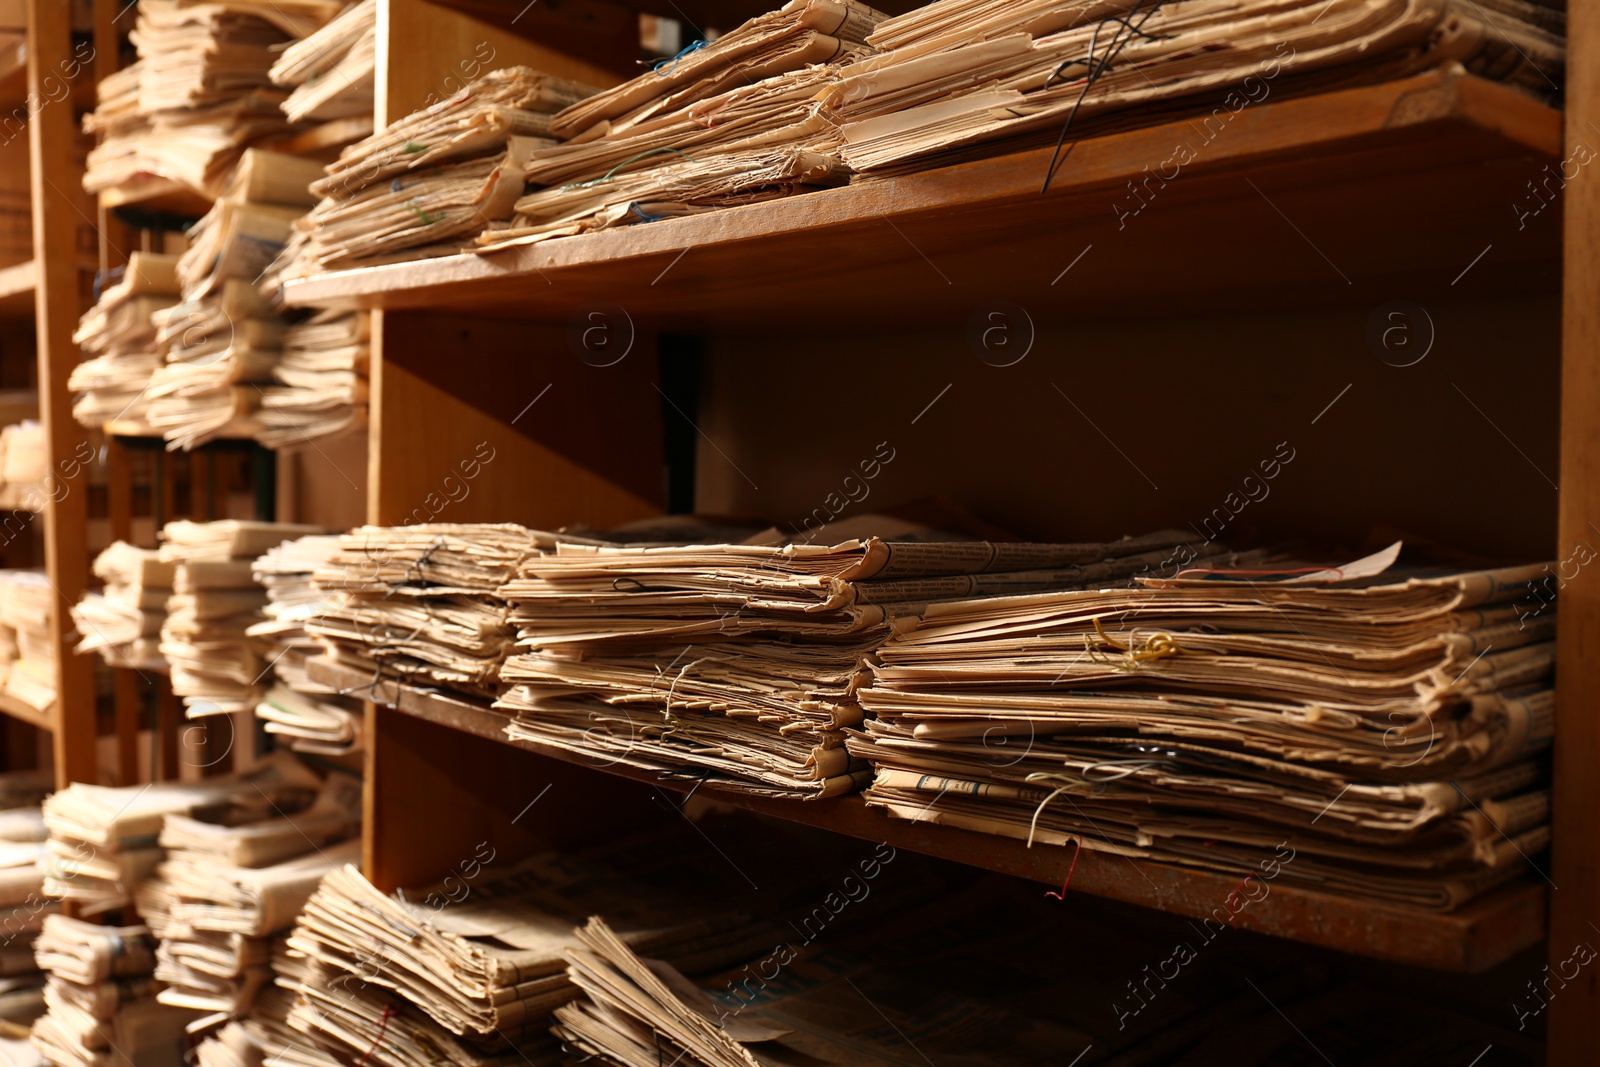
x=806 y=96
x=332 y=73
x=101 y=998
x=232 y=884
x=104 y=841
x=467 y=971
x=123 y=621
x=739 y=665
x=200 y=93
x=433 y=179
x=310 y=716
x=728 y=122
x=118 y=339
x=419 y=604
x=23 y=466
x=319 y=385
x=959 y=78
x=28 y=602
x=222 y=342
x=1382 y=725
x=217 y=667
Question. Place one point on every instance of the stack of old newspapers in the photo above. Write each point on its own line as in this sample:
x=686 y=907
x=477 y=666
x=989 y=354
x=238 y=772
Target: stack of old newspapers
x=740 y=664
x=1381 y=726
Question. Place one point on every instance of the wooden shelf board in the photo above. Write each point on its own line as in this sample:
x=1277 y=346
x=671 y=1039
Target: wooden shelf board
x=22 y=711
x=1471 y=939
x=150 y=193
x=1320 y=197
x=16 y=290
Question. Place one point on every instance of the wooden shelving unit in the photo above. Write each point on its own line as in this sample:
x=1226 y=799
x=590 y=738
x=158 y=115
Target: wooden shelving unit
x=1163 y=351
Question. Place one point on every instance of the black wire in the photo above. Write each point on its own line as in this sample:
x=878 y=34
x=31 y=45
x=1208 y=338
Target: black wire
x=1113 y=50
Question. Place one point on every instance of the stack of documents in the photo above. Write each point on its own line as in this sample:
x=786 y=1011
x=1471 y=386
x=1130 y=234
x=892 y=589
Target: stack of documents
x=27 y=604
x=104 y=841
x=332 y=72
x=738 y=665
x=474 y=966
x=230 y=888
x=1381 y=728
x=200 y=93
x=418 y=603
x=223 y=341
x=320 y=382
x=438 y=176
x=959 y=78
x=101 y=998
x=727 y=122
x=310 y=716
x=23 y=465
x=118 y=339
x=123 y=623
x=217 y=667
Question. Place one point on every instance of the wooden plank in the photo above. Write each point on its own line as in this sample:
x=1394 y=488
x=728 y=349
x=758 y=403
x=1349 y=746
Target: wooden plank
x=126 y=694
x=1574 y=1016
x=1472 y=939
x=54 y=176
x=1406 y=178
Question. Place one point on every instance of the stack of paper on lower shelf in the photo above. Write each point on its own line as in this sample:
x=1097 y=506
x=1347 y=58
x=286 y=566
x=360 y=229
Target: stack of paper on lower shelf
x=101 y=997
x=1381 y=729
x=419 y=603
x=320 y=383
x=436 y=177
x=739 y=664
x=223 y=341
x=216 y=666
x=471 y=968
x=118 y=339
x=958 y=78
x=123 y=623
x=332 y=72
x=104 y=841
x=27 y=601
x=229 y=889
x=23 y=907
x=728 y=122
x=310 y=716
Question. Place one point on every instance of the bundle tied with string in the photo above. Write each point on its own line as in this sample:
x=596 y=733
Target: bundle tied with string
x=1385 y=727
x=417 y=603
x=960 y=79
x=741 y=665
x=720 y=124
x=436 y=177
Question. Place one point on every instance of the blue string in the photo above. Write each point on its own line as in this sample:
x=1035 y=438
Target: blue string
x=658 y=64
x=635 y=209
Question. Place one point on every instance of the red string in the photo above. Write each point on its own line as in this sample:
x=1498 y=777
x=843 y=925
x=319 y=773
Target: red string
x=383 y=1026
x=1062 y=896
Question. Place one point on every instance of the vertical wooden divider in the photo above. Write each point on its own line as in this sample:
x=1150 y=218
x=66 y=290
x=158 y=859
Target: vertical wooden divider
x=1574 y=1024
x=54 y=176
x=427 y=789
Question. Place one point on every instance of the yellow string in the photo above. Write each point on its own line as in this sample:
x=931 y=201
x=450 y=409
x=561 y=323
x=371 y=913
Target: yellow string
x=1158 y=646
